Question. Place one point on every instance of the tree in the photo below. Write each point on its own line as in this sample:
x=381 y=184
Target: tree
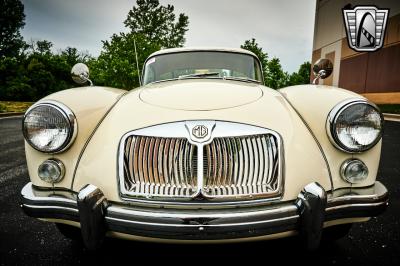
x=252 y=46
x=157 y=23
x=152 y=27
x=11 y=21
x=302 y=76
x=116 y=65
x=276 y=78
x=304 y=73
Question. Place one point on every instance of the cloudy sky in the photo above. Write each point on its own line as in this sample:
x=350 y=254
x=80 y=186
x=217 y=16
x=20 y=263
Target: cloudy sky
x=283 y=28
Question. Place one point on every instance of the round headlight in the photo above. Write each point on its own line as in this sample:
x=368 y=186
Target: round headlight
x=355 y=126
x=49 y=127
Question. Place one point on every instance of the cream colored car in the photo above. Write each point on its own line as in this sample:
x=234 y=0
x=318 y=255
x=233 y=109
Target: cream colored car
x=203 y=152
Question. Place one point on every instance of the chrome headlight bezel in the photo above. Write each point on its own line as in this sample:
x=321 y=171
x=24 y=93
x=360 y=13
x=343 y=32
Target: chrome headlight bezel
x=69 y=117
x=333 y=117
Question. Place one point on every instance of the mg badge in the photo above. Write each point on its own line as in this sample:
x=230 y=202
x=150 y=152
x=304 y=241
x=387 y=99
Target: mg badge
x=365 y=27
x=200 y=131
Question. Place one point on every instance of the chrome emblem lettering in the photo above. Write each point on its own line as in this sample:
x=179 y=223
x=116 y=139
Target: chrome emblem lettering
x=200 y=131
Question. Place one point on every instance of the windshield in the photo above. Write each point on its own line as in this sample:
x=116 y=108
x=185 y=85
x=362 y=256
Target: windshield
x=200 y=64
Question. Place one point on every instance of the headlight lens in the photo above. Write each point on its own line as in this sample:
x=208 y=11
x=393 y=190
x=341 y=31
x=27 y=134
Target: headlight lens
x=51 y=171
x=49 y=127
x=354 y=171
x=355 y=126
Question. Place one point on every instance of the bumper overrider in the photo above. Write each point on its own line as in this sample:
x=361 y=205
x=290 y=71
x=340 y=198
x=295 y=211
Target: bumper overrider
x=307 y=214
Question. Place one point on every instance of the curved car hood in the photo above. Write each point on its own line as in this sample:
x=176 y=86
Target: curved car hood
x=303 y=161
x=200 y=95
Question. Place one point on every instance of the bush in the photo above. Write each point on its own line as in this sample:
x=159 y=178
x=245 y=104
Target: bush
x=3 y=108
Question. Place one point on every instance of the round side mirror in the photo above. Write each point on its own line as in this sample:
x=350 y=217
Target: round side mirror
x=80 y=73
x=322 y=69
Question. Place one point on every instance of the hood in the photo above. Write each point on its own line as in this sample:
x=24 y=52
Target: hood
x=266 y=108
x=200 y=95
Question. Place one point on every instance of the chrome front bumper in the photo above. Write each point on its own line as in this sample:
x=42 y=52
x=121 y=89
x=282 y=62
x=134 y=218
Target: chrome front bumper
x=307 y=214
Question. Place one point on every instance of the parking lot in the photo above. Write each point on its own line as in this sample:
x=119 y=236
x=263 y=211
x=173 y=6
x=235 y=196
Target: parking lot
x=24 y=240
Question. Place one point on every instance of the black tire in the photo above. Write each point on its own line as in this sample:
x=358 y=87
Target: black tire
x=336 y=232
x=69 y=231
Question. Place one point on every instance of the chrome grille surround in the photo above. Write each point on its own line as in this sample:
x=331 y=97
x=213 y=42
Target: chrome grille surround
x=254 y=176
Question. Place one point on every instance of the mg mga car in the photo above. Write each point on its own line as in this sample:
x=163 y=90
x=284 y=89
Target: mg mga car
x=203 y=152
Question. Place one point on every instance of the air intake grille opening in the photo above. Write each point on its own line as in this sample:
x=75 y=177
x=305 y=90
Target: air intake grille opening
x=165 y=167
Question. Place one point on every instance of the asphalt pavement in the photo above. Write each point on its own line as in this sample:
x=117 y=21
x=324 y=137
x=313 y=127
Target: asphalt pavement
x=28 y=241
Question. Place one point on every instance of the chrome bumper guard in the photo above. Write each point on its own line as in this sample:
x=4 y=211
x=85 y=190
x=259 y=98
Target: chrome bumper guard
x=313 y=207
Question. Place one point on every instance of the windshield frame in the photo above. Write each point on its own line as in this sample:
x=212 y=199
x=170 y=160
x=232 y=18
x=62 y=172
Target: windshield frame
x=205 y=50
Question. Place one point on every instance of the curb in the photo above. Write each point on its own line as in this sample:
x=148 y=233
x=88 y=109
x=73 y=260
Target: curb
x=11 y=114
x=391 y=117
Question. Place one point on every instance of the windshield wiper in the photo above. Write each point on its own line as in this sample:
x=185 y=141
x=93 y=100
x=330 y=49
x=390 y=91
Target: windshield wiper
x=242 y=79
x=199 y=75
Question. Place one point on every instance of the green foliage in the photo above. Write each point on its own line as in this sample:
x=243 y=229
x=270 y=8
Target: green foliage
x=152 y=27
x=11 y=21
x=274 y=76
x=302 y=76
x=157 y=23
x=252 y=46
x=3 y=108
x=116 y=65
x=389 y=108
x=29 y=72
x=38 y=73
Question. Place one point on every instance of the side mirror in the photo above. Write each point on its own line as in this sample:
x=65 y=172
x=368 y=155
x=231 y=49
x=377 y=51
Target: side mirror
x=80 y=74
x=322 y=69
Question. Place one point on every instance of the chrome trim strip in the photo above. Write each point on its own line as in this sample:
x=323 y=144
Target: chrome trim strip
x=91 y=136
x=314 y=137
x=244 y=224
x=67 y=114
x=49 y=207
x=333 y=116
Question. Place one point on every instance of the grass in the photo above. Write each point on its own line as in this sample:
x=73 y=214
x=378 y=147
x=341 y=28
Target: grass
x=390 y=108
x=14 y=107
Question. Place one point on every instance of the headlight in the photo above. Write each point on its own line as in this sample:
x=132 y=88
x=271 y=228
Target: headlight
x=354 y=126
x=51 y=171
x=354 y=171
x=49 y=127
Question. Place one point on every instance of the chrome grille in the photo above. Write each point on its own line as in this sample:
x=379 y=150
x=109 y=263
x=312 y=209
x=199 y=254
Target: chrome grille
x=241 y=166
x=165 y=167
x=238 y=162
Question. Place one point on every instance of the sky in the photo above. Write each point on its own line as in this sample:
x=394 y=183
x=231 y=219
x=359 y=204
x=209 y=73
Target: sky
x=283 y=28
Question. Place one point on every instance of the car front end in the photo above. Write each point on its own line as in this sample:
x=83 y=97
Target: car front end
x=196 y=156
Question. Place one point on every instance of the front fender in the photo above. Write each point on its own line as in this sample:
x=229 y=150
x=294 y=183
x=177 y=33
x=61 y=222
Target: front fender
x=90 y=105
x=313 y=104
